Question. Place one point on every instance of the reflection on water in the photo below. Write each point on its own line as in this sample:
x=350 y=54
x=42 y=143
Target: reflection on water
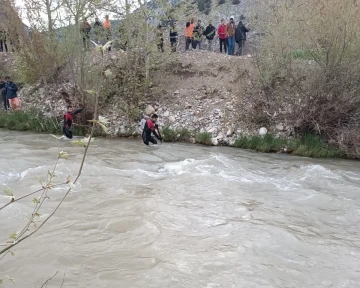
x=184 y=216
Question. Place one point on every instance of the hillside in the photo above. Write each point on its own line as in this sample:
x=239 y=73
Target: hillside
x=199 y=91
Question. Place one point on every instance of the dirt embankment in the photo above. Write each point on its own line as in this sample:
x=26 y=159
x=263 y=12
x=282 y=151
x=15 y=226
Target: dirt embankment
x=198 y=90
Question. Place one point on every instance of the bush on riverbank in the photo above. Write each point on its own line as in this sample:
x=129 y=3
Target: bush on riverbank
x=33 y=121
x=308 y=146
x=171 y=135
x=203 y=138
x=309 y=71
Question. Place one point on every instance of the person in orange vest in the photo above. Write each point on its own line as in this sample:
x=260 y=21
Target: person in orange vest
x=107 y=29
x=189 y=31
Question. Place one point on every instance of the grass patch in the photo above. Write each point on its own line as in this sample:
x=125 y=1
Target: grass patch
x=301 y=54
x=203 y=138
x=309 y=145
x=33 y=121
x=171 y=135
x=183 y=135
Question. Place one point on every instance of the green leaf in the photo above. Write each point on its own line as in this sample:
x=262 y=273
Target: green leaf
x=63 y=155
x=36 y=201
x=1 y=281
x=37 y=214
x=8 y=192
x=12 y=253
x=91 y=92
x=13 y=236
x=80 y=143
x=104 y=128
x=38 y=179
x=51 y=174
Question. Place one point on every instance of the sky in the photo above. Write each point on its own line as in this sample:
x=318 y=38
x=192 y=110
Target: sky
x=20 y=4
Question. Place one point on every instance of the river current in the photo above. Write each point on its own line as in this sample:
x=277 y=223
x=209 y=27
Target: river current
x=181 y=215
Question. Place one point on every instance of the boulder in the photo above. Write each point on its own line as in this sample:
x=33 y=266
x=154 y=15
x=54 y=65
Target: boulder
x=188 y=105
x=262 y=131
x=211 y=129
x=177 y=92
x=172 y=119
x=149 y=110
x=220 y=136
x=280 y=127
x=214 y=141
x=42 y=92
x=230 y=132
x=166 y=114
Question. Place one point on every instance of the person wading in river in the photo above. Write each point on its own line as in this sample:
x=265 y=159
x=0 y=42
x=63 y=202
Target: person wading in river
x=68 y=118
x=151 y=127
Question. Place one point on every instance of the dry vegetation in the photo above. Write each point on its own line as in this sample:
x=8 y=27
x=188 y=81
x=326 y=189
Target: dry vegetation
x=309 y=70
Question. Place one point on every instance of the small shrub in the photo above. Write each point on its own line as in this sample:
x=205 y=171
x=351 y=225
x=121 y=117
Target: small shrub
x=183 y=135
x=203 y=138
x=168 y=134
x=221 y=2
x=236 y=2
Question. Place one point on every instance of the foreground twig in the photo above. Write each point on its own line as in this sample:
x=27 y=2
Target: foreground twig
x=47 y=281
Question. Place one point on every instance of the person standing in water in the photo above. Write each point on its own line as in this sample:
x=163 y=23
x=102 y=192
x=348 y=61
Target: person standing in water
x=151 y=127
x=68 y=118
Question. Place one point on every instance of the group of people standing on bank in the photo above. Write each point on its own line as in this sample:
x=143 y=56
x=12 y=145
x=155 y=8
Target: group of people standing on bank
x=228 y=35
x=101 y=31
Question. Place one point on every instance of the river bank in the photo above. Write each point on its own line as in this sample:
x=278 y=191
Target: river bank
x=200 y=97
x=306 y=146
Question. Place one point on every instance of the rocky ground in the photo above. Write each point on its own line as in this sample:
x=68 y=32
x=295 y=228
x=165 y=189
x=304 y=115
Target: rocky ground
x=197 y=90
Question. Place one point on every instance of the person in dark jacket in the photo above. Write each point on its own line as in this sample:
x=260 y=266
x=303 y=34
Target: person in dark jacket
x=173 y=37
x=85 y=31
x=3 y=44
x=3 y=94
x=210 y=34
x=160 y=38
x=240 y=36
x=98 y=31
x=68 y=119
x=11 y=94
x=151 y=127
x=198 y=35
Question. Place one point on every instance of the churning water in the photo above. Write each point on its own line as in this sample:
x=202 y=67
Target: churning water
x=182 y=216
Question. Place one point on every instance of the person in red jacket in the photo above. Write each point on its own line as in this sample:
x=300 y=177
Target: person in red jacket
x=151 y=127
x=68 y=118
x=222 y=35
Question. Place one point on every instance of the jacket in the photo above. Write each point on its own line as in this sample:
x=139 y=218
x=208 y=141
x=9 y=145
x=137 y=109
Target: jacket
x=2 y=89
x=240 y=32
x=173 y=35
x=230 y=29
x=222 y=31
x=189 y=31
x=159 y=36
x=68 y=117
x=210 y=32
x=11 y=90
x=85 y=28
x=107 y=25
x=198 y=32
x=98 y=27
